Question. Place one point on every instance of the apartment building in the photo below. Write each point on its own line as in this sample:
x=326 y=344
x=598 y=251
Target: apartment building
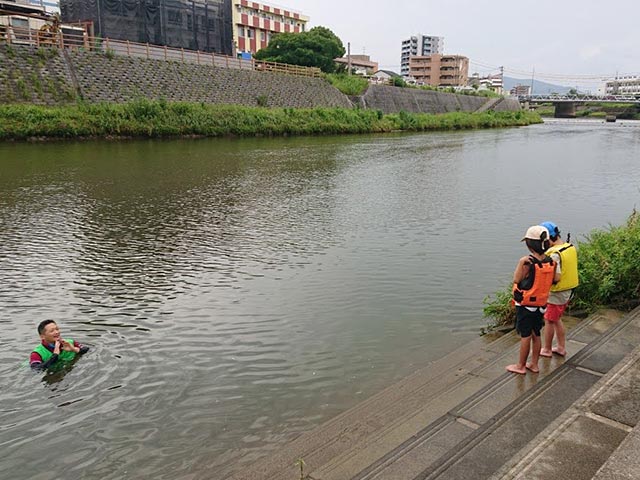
x=419 y=45
x=439 y=70
x=626 y=85
x=254 y=23
x=520 y=91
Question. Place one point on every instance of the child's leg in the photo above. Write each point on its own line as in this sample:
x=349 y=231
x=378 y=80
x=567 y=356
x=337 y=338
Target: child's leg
x=560 y=339
x=535 y=353
x=520 y=367
x=549 y=330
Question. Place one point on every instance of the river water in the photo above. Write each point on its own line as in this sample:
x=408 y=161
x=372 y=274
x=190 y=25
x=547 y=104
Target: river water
x=238 y=292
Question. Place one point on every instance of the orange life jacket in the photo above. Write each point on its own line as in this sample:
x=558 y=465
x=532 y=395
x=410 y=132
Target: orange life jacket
x=533 y=290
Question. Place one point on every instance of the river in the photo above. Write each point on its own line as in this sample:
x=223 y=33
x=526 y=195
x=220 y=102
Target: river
x=238 y=292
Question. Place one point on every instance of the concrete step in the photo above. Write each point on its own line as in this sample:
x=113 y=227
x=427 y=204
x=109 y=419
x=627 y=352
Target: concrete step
x=410 y=427
x=542 y=430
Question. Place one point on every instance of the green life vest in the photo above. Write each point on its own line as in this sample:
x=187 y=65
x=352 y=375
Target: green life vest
x=46 y=354
x=569 y=266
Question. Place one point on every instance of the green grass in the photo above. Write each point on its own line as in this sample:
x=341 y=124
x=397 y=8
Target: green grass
x=348 y=84
x=609 y=271
x=146 y=118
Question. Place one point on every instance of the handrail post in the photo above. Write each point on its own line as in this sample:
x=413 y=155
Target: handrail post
x=182 y=54
x=147 y=50
x=165 y=52
x=213 y=60
x=198 y=57
x=227 y=57
x=107 y=44
x=61 y=40
x=128 y=49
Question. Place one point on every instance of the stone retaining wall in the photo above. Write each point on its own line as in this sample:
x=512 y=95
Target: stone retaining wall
x=394 y=100
x=50 y=76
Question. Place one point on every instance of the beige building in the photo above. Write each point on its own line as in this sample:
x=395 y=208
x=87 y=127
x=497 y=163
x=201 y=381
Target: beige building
x=254 y=23
x=439 y=70
x=360 y=64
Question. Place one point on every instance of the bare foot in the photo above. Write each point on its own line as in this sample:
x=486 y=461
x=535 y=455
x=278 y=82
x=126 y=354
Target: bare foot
x=545 y=353
x=515 y=368
x=559 y=351
x=533 y=368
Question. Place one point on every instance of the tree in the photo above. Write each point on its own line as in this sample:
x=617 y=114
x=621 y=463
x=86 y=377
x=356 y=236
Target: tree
x=316 y=48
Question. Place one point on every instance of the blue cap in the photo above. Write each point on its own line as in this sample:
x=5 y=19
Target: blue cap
x=554 y=231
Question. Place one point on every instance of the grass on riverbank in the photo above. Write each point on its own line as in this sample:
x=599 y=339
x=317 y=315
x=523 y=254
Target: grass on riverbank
x=609 y=270
x=348 y=84
x=145 y=118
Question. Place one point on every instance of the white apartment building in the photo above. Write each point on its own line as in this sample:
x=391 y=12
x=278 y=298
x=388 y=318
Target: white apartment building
x=418 y=46
x=626 y=85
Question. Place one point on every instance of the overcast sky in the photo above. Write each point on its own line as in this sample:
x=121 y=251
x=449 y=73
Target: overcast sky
x=564 y=40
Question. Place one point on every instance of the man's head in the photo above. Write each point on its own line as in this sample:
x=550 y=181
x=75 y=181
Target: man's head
x=554 y=231
x=49 y=331
x=537 y=239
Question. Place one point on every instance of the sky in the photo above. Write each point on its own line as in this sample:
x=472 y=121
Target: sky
x=567 y=42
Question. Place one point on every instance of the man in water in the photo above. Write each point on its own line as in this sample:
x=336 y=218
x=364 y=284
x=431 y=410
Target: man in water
x=53 y=349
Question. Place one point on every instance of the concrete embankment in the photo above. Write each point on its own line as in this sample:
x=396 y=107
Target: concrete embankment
x=395 y=100
x=50 y=76
x=465 y=418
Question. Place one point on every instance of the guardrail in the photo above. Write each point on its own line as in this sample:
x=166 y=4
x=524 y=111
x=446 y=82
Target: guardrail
x=579 y=98
x=80 y=40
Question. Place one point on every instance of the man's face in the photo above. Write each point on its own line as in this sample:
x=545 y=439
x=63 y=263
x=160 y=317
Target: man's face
x=51 y=333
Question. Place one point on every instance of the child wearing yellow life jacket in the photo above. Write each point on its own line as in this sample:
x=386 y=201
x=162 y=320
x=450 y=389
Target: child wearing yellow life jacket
x=532 y=280
x=566 y=256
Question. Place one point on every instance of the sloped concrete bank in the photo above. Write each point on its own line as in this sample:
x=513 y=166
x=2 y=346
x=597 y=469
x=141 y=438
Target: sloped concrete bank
x=395 y=100
x=54 y=77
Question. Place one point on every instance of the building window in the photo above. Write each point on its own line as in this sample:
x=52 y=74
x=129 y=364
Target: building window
x=174 y=16
x=241 y=31
x=250 y=33
x=263 y=35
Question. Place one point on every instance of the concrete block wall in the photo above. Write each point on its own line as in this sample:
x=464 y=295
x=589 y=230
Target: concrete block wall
x=507 y=105
x=52 y=76
x=120 y=79
x=34 y=75
x=394 y=99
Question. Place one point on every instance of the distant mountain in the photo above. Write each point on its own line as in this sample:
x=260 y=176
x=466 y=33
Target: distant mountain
x=538 y=87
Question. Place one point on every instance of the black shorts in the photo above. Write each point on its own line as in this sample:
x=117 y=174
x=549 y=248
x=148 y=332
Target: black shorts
x=528 y=322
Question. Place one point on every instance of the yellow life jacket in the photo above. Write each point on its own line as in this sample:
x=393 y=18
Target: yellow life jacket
x=533 y=290
x=568 y=265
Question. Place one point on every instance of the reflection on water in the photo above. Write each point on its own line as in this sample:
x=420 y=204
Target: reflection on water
x=236 y=293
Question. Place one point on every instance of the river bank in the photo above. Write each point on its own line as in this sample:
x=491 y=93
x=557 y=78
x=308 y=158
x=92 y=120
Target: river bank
x=156 y=119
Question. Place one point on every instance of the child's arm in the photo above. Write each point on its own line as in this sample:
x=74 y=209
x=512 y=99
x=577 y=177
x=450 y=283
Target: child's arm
x=521 y=270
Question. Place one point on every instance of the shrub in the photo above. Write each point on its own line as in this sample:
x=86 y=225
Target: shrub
x=348 y=84
x=609 y=266
x=262 y=101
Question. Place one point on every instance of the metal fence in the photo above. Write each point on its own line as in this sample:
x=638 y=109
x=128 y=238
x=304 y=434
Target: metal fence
x=81 y=41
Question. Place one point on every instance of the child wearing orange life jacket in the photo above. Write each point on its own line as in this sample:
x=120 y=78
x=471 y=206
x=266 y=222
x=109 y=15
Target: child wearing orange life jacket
x=532 y=280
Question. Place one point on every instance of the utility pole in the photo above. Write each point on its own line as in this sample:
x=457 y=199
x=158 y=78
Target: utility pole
x=533 y=72
x=348 y=58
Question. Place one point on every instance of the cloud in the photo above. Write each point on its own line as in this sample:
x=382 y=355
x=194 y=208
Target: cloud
x=592 y=51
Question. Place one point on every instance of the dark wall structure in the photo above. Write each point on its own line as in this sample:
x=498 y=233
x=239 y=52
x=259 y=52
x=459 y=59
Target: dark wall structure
x=191 y=24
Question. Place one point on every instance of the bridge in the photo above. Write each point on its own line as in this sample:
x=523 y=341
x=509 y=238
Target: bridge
x=565 y=105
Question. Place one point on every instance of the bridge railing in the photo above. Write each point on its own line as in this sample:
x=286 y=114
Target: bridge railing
x=579 y=98
x=79 y=40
